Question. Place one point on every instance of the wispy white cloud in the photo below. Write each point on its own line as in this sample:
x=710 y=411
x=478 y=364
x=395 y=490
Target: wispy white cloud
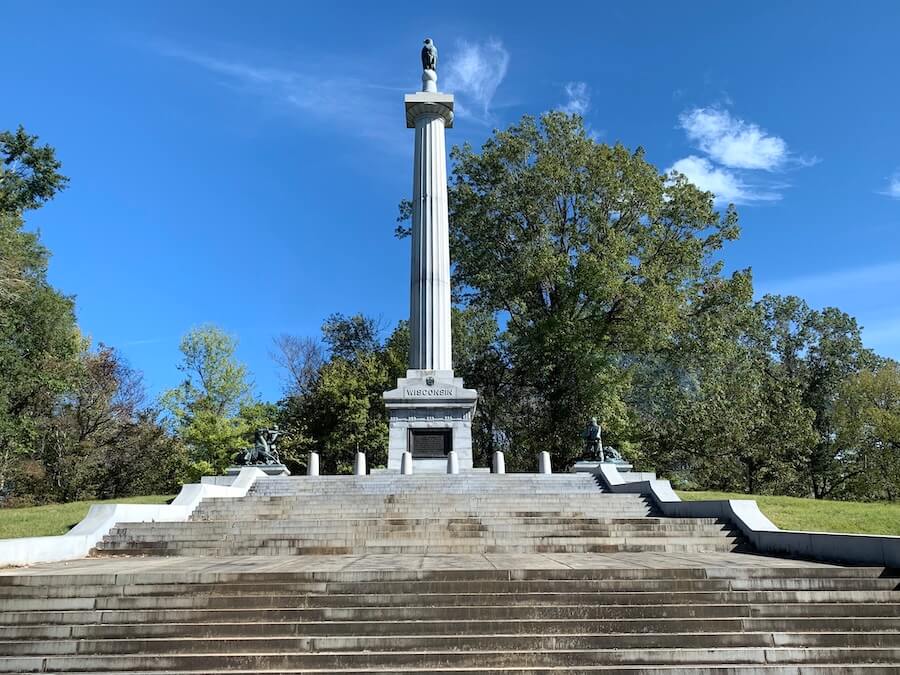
x=733 y=142
x=578 y=98
x=852 y=281
x=726 y=185
x=893 y=186
x=318 y=97
x=474 y=71
x=734 y=149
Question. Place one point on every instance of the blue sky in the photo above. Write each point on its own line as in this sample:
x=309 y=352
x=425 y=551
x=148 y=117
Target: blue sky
x=241 y=163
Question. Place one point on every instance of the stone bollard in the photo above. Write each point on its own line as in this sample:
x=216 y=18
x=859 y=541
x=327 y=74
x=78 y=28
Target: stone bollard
x=312 y=464
x=406 y=463
x=359 y=465
x=452 y=462
x=544 y=462
x=499 y=463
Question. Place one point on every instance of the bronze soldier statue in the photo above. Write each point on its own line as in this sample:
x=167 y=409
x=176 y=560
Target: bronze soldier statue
x=264 y=450
x=593 y=445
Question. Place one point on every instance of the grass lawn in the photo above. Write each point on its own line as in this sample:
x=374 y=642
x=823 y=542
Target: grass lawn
x=37 y=521
x=818 y=515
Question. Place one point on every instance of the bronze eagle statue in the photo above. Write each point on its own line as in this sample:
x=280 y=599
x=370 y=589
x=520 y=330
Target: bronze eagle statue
x=429 y=55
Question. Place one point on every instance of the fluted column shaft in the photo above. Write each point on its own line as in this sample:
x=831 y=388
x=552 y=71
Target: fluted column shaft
x=429 y=311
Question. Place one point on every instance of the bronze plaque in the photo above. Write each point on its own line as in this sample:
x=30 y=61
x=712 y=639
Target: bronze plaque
x=430 y=443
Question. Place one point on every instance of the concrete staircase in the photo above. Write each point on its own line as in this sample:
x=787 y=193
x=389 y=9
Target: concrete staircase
x=691 y=620
x=423 y=514
x=442 y=574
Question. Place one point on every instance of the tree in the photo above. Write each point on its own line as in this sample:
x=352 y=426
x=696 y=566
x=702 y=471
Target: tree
x=104 y=440
x=868 y=417
x=39 y=341
x=818 y=351
x=29 y=174
x=341 y=410
x=717 y=410
x=206 y=407
x=300 y=359
x=589 y=256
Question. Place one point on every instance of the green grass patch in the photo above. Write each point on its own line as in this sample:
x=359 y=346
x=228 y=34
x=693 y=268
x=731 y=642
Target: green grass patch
x=50 y=519
x=818 y=515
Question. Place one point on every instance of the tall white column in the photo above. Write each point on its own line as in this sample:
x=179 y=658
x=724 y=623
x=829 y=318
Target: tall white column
x=429 y=307
x=430 y=412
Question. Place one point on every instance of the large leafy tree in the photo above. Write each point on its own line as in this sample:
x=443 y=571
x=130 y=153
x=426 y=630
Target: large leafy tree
x=718 y=411
x=589 y=256
x=817 y=352
x=868 y=417
x=206 y=407
x=104 y=440
x=39 y=341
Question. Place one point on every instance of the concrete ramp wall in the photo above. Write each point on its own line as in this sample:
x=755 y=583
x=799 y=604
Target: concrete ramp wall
x=766 y=537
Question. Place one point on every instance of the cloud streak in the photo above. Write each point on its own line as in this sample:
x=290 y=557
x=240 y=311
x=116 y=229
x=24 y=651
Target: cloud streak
x=893 y=186
x=318 y=98
x=851 y=280
x=578 y=99
x=474 y=72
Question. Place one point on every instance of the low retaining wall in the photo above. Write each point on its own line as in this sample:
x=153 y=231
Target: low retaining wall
x=762 y=533
x=78 y=541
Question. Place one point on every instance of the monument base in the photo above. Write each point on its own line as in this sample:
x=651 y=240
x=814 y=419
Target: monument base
x=429 y=414
x=268 y=469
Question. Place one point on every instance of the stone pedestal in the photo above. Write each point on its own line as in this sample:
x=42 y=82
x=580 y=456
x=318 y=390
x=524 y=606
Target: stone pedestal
x=429 y=414
x=268 y=469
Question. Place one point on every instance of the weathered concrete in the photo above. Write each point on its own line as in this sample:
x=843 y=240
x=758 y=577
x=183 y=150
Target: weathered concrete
x=78 y=541
x=762 y=533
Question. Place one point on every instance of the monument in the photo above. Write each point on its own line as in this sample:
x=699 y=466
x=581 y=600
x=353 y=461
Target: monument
x=263 y=454
x=430 y=412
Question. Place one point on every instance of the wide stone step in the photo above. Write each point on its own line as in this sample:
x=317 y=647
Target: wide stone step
x=222 y=528
x=688 y=625
x=425 y=600
x=572 y=612
x=523 y=642
x=479 y=586
x=154 y=549
x=345 y=584
x=470 y=658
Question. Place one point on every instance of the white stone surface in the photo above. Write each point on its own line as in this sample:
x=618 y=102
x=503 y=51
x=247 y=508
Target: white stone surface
x=406 y=464
x=429 y=310
x=312 y=465
x=445 y=403
x=359 y=464
x=498 y=463
x=544 y=462
x=430 y=396
x=78 y=541
x=763 y=534
x=429 y=81
x=452 y=462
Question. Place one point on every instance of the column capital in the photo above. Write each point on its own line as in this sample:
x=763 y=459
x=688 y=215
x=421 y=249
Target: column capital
x=428 y=103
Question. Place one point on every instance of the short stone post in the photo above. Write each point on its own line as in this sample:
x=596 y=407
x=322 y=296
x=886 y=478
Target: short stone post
x=406 y=464
x=499 y=463
x=544 y=463
x=359 y=465
x=312 y=464
x=452 y=462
